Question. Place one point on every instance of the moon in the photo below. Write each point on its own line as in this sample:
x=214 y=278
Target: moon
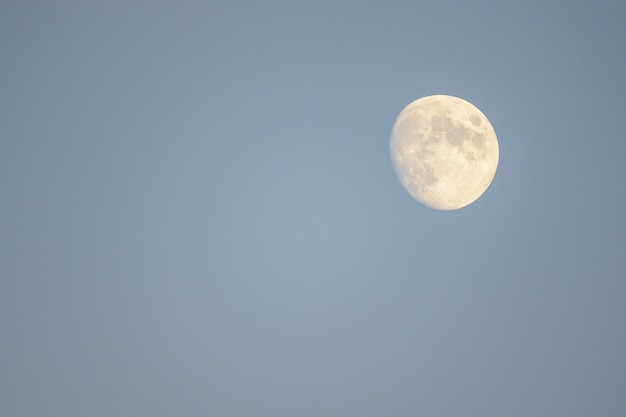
x=444 y=151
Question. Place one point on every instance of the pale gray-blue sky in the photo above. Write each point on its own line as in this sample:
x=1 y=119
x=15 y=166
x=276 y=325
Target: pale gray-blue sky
x=198 y=215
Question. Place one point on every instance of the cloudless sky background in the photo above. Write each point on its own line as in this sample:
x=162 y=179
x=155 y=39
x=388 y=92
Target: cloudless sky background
x=199 y=217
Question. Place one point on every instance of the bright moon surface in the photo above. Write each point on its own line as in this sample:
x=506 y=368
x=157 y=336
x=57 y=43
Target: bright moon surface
x=444 y=151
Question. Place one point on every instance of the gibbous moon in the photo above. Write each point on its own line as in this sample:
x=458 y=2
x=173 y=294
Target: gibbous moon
x=444 y=151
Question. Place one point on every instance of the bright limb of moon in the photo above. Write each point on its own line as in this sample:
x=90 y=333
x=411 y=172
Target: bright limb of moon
x=444 y=151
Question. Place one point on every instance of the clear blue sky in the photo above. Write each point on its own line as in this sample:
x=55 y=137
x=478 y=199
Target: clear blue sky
x=199 y=217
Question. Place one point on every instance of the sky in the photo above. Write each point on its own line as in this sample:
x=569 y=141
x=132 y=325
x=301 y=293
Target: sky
x=199 y=216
